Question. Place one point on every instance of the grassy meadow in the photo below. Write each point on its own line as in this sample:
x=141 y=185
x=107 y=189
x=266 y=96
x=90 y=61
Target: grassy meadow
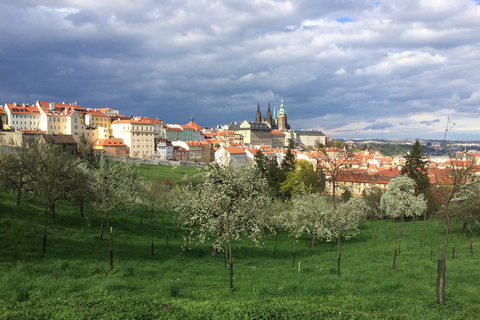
x=73 y=279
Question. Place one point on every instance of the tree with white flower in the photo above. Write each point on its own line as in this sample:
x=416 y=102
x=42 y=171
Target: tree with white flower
x=400 y=201
x=226 y=206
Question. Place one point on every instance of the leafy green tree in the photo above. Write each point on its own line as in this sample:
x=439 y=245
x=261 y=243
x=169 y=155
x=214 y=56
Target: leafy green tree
x=226 y=206
x=346 y=195
x=372 y=197
x=288 y=161
x=400 y=201
x=275 y=176
x=301 y=179
x=259 y=159
x=416 y=168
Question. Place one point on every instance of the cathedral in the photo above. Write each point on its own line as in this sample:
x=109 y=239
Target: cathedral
x=277 y=121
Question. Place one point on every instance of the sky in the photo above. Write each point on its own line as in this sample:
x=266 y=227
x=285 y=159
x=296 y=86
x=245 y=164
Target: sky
x=352 y=69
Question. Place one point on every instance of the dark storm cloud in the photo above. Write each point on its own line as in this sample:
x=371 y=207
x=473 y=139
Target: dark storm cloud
x=338 y=65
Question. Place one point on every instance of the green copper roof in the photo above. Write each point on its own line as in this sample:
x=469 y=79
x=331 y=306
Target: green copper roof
x=282 y=110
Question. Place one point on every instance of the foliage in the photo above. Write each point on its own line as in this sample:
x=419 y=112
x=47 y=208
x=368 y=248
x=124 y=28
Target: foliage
x=287 y=164
x=312 y=210
x=260 y=161
x=416 y=168
x=399 y=200
x=372 y=197
x=275 y=177
x=226 y=206
x=301 y=179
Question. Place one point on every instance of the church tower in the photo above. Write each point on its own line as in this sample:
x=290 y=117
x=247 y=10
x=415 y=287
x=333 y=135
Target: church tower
x=258 y=117
x=268 y=118
x=282 y=119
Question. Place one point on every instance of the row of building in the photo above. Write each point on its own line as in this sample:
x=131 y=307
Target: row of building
x=115 y=134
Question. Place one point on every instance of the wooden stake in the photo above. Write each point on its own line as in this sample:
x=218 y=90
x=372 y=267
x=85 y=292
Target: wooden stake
x=298 y=266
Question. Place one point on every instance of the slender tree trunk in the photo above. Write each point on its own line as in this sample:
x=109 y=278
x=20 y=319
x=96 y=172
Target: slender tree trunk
x=34 y=195
x=101 y=228
x=293 y=247
x=166 y=236
x=339 y=256
x=464 y=226
x=225 y=254
x=151 y=221
x=111 y=248
x=313 y=241
x=82 y=213
x=231 y=261
x=52 y=210
x=275 y=249
x=19 y=195
x=441 y=271
x=45 y=231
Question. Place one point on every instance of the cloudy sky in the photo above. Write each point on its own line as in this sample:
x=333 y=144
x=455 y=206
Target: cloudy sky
x=351 y=68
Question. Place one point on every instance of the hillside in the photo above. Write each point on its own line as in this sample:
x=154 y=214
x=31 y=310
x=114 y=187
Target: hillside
x=73 y=279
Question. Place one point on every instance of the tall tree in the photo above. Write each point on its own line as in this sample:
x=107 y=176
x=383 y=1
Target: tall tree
x=57 y=175
x=226 y=206
x=447 y=183
x=400 y=201
x=416 y=168
x=107 y=188
x=301 y=179
x=275 y=176
x=344 y=220
x=17 y=167
x=261 y=162
x=288 y=161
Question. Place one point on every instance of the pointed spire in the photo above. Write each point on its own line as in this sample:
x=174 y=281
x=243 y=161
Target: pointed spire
x=191 y=119
x=258 y=117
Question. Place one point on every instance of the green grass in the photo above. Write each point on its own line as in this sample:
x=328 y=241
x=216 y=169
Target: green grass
x=73 y=279
x=175 y=174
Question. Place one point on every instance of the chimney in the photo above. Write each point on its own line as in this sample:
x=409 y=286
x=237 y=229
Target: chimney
x=66 y=110
x=52 y=106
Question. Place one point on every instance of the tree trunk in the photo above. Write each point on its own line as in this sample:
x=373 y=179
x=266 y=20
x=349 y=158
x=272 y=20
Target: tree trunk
x=231 y=261
x=225 y=254
x=52 y=210
x=82 y=210
x=441 y=272
x=339 y=238
x=464 y=226
x=313 y=241
x=166 y=236
x=275 y=249
x=19 y=195
x=293 y=247
x=111 y=248
x=101 y=228
x=45 y=231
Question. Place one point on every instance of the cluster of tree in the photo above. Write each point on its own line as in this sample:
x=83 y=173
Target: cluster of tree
x=51 y=173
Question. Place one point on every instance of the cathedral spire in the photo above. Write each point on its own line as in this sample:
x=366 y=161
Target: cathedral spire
x=258 y=117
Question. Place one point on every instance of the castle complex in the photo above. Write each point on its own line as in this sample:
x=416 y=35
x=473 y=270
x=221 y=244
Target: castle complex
x=277 y=121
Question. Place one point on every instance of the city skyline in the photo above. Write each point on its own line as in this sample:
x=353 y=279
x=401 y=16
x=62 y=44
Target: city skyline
x=363 y=69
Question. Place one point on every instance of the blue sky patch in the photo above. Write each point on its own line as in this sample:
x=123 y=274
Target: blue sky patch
x=344 y=20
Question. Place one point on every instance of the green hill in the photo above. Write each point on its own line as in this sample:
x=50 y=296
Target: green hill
x=73 y=279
